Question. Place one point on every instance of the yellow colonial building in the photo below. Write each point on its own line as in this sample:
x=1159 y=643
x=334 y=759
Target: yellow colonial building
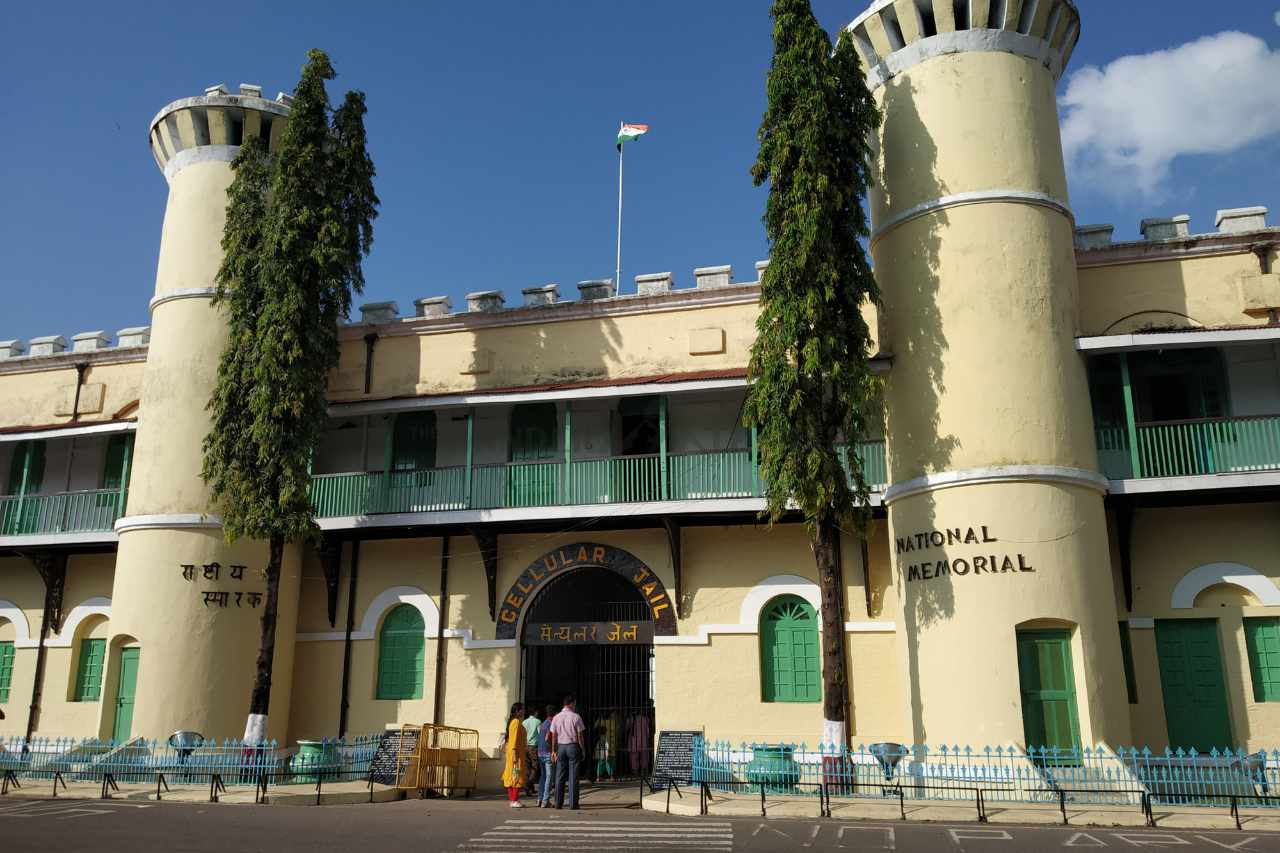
x=1075 y=536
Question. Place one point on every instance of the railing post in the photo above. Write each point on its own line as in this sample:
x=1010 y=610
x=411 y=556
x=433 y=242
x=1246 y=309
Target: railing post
x=755 y=461
x=22 y=494
x=568 y=450
x=124 y=477
x=388 y=449
x=471 y=430
x=663 y=473
x=1130 y=421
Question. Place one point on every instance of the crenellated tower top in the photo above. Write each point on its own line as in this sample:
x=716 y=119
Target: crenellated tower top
x=894 y=35
x=212 y=126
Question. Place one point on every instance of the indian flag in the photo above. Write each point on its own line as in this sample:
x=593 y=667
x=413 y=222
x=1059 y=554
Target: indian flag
x=629 y=132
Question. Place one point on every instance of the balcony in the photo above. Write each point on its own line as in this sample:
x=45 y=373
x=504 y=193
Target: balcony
x=1190 y=448
x=611 y=480
x=93 y=511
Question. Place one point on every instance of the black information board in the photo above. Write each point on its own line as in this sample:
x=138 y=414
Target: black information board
x=675 y=758
x=383 y=766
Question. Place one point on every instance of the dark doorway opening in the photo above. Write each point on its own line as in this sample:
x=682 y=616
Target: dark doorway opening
x=612 y=682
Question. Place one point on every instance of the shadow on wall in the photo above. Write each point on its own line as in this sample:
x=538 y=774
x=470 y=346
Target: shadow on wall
x=919 y=339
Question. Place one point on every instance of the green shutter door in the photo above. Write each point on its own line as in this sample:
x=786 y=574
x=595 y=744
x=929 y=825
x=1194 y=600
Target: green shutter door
x=126 y=689
x=533 y=441
x=1195 y=695
x=28 y=460
x=1262 y=636
x=6 y=670
x=1047 y=680
x=791 y=668
x=89 y=670
x=413 y=460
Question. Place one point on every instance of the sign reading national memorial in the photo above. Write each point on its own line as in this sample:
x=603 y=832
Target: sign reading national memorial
x=586 y=555
x=970 y=562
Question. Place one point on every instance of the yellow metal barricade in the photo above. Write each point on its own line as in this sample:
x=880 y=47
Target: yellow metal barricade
x=408 y=758
x=445 y=760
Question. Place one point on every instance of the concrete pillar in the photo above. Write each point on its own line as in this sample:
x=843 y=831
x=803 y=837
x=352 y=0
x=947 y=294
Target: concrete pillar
x=996 y=510
x=198 y=648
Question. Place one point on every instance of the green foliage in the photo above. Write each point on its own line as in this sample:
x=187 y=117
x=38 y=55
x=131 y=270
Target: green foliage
x=811 y=382
x=299 y=223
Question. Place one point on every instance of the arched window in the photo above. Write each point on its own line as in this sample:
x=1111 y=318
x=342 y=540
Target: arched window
x=790 y=667
x=401 y=652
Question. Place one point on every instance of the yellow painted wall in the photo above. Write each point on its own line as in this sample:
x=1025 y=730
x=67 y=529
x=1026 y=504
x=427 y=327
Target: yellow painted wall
x=34 y=398
x=958 y=633
x=1177 y=292
x=197 y=662
x=1167 y=544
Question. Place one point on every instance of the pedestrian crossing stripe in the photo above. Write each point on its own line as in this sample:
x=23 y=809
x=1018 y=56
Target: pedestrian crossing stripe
x=666 y=837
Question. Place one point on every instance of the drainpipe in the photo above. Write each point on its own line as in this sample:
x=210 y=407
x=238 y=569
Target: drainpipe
x=81 y=369
x=437 y=713
x=369 y=341
x=346 y=649
x=52 y=569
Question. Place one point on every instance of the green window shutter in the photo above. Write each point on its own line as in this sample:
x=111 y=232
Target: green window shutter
x=89 y=671
x=413 y=443
x=1262 y=637
x=401 y=654
x=113 y=467
x=35 y=475
x=1126 y=653
x=533 y=432
x=6 y=670
x=790 y=665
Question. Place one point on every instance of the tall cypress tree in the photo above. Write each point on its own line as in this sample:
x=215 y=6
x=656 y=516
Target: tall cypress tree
x=811 y=379
x=299 y=224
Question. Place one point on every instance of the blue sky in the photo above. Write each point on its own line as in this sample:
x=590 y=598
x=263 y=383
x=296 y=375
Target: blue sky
x=492 y=124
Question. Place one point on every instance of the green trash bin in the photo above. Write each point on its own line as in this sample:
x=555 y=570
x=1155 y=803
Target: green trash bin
x=775 y=767
x=315 y=758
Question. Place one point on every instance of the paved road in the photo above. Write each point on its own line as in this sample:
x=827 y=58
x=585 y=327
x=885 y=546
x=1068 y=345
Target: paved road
x=69 y=826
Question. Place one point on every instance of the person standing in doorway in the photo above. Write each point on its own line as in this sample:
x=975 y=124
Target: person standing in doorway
x=568 y=732
x=532 y=722
x=545 y=755
x=515 y=754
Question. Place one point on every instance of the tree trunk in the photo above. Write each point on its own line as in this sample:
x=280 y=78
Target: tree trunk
x=255 y=728
x=825 y=543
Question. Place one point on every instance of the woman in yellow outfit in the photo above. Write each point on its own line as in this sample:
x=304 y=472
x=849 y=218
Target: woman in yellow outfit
x=515 y=749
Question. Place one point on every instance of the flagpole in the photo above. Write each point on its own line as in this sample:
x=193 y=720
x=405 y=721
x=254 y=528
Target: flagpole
x=617 y=280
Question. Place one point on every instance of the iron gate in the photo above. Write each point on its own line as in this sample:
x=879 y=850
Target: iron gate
x=613 y=682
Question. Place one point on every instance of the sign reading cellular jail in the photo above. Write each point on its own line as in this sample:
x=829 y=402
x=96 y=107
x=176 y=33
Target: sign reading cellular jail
x=587 y=555
x=970 y=565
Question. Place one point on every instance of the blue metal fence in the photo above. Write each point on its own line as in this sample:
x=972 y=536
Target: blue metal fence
x=1002 y=774
x=144 y=761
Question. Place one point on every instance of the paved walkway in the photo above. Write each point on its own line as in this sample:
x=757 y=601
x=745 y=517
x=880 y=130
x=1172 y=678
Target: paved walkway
x=1024 y=814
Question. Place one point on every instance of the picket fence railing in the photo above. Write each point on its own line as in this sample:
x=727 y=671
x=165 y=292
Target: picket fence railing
x=143 y=761
x=1226 y=778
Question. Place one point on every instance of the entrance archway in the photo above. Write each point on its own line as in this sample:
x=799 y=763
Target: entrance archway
x=589 y=632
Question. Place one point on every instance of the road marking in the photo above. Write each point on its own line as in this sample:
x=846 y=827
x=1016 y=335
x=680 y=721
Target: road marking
x=1078 y=840
x=1237 y=846
x=1153 y=839
x=958 y=835
x=890 y=837
x=588 y=835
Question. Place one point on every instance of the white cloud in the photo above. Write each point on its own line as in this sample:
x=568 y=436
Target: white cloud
x=1278 y=18
x=1125 y=123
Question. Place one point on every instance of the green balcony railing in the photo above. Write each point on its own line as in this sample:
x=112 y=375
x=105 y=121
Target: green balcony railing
x=1189 y=448
x=64 y=512
x=616 y=479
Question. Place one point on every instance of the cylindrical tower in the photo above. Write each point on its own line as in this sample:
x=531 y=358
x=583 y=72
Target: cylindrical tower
x=1007 y=604
x=191 y=603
